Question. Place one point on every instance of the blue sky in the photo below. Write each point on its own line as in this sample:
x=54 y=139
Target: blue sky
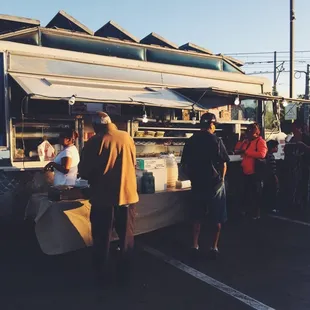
x=222 y=26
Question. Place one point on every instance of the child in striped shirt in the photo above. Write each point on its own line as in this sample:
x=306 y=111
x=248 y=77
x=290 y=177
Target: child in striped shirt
x=271 y=182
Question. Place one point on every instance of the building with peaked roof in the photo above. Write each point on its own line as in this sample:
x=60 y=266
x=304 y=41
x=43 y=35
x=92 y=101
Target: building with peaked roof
x=65 y=32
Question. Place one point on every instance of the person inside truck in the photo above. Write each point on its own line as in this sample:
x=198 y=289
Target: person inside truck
x=65 y=164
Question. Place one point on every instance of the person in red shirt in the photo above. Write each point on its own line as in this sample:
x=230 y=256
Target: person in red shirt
x=240 y=144
x=253 y=150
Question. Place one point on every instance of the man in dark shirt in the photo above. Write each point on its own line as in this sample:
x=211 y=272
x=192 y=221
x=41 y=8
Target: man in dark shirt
x=205 y=161
x=297 y=154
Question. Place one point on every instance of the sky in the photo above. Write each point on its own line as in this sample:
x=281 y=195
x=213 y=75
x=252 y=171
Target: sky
x=226 y=26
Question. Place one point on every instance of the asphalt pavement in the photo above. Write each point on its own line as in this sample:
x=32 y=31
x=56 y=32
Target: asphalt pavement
x=266 y=260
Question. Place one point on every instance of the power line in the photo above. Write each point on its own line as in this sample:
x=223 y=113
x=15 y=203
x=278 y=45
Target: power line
x=264 y=72
x=271 y=61
x=263 y=53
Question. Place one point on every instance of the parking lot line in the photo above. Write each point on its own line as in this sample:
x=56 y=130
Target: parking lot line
x=253 y=303
x=289 y=220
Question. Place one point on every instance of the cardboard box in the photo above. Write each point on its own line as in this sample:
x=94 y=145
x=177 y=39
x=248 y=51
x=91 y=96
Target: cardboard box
x=150 y=163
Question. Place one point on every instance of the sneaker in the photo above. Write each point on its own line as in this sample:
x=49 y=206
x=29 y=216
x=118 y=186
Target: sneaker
x=214 y=253
x=194 y=253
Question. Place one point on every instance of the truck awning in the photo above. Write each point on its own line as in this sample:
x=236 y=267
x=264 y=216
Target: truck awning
x=87 y=90
x=203 y=95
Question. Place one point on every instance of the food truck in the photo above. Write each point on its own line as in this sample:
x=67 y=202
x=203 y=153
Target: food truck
x=58 y=76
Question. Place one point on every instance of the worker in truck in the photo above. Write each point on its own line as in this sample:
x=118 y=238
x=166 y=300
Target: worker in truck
x=65 y=164
x=205 y=160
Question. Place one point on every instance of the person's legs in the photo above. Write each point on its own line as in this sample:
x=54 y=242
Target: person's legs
x=304 y=184
x=124 y=226
x=217 y=236
x=196 y=234
x=198 y=212
x=247 y=195
x=257 y=194
x=270 y=196
x=101 y=218
x=219 y=214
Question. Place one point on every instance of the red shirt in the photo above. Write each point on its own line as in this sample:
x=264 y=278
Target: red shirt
x=255 y=149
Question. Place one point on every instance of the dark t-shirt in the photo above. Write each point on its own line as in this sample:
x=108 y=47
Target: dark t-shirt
x=292 y=150
x=271 y=166
x=204 y=155
x=306 y=158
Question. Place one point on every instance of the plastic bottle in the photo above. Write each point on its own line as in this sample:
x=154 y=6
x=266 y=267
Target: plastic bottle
x=172 y=171
x=148 y=183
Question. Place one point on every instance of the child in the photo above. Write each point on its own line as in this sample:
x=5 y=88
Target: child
x=271 y=182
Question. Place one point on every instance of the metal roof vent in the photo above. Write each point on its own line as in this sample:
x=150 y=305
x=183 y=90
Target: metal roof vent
x=235 y=61
x=113 y=30
x=62 y=20
x=13 y=23
x=155 y=39
x=195 y=48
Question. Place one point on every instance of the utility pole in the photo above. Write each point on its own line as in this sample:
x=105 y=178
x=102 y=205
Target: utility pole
x=307 y=91
x=306 y=105
x=275 y=74
x=292 y=58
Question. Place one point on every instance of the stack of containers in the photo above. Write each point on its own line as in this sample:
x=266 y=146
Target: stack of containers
x=157 y=166
x=172 y=170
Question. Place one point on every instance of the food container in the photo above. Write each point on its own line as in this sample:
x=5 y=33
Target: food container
x=188 y=135
x=139 y=134
x=149 y=133
x=172 y=170
x=150 y=163
x=19 y=153
x=160 y=134
x=33 y=154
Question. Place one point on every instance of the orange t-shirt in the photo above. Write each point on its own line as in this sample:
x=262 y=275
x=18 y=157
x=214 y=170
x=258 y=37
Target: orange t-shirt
x=255 y=149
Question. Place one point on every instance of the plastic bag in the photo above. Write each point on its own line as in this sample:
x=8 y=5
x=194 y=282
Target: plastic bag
x=46 y=151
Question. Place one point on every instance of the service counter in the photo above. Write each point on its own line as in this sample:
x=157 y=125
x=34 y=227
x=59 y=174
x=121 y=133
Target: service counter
x=65 y=226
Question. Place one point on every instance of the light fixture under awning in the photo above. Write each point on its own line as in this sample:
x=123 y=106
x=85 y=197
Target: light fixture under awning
x=58 y=88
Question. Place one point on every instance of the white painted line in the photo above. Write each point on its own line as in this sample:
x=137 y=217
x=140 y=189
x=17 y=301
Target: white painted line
x=289 y=220
x=255 y=304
